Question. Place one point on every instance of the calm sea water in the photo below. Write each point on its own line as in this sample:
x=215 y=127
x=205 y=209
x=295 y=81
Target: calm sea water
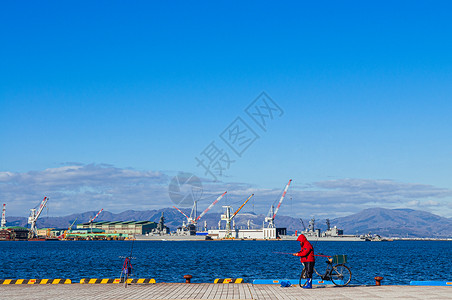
x=398 y=262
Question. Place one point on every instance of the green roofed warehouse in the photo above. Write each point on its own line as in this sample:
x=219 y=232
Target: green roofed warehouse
x=128 y=227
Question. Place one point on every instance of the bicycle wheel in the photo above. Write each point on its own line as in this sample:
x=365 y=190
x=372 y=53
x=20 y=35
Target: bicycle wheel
x=126 y=271
x=302 y=277
x=341 y=275
x=126 y=278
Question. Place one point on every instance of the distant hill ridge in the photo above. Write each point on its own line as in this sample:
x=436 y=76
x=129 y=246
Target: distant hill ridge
x=385 y=222
x=397 y=223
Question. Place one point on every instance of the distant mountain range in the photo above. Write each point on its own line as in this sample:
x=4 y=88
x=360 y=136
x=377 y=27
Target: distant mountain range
x=385 y=222
x=396 y=223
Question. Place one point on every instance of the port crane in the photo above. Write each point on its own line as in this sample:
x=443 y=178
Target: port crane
x=34 y=215
x=302 y=223
x=193 y=219
x=189 y=219
x=92 y=220
x=228 y=217
x=67 y=230
x=70 y=227
x=3 y=223
x=272 y=213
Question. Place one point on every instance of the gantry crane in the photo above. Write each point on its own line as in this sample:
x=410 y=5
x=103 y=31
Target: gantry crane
x=228 y=217
x=34 y=215
x=3 y=223
x=272 y=213
x=193 y=219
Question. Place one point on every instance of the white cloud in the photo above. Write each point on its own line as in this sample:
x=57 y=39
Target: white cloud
x=78 y=188
x=81 y=188
x=356 y=194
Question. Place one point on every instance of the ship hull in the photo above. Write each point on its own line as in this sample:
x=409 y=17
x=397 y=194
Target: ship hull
x=170 y=238
x=326 y=239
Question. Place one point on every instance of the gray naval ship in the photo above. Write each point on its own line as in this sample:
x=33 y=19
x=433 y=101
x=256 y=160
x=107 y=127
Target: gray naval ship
x=187 y=232
x=330 y=234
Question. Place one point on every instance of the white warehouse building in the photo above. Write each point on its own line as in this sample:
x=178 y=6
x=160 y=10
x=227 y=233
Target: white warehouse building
x=258 y=234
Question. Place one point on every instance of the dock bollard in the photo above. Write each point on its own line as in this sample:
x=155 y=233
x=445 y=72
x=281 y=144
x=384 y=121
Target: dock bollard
x=187 y=278
x=378 y=280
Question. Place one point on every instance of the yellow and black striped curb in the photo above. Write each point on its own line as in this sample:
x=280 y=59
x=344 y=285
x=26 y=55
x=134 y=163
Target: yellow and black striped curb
x=228 y=280
x=115 y=280
x=82 y=281
x=35 y=281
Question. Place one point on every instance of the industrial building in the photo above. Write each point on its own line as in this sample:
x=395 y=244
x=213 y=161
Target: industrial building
x=254 y=234
x=50 y=232
x=14 y=233
x=128 y=227
x=93 y=234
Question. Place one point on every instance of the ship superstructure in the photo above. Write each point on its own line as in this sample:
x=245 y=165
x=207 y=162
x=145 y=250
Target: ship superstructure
x=330 y=234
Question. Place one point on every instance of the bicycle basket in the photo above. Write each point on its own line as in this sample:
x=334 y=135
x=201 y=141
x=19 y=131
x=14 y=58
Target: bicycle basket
x=339 y=259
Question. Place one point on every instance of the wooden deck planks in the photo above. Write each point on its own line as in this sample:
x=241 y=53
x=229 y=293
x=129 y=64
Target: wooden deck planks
x=208 y=291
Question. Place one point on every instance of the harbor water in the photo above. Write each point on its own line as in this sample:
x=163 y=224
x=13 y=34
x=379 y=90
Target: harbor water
x=398 y=262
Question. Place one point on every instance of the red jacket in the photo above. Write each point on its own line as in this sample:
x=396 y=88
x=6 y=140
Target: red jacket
x=307 y=252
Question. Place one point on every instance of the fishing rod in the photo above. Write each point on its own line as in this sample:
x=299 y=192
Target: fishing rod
x=320 y=255
x=131 y=250
x=283 y=253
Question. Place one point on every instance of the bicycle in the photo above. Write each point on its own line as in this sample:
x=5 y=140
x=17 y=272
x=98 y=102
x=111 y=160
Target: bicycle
x=336 y=271
x=126 y=269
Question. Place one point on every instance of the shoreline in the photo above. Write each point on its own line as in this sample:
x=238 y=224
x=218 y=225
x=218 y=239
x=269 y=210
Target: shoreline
x=202 y=239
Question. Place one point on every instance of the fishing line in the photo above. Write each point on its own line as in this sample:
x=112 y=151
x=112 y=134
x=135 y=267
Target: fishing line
x=315 y=244
x=131 y=250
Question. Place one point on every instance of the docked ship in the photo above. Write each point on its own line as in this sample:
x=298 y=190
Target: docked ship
x=189 y=228
x=330 y=234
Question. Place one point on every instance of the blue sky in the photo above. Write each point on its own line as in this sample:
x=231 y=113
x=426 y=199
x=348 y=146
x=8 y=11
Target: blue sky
x=110 y=87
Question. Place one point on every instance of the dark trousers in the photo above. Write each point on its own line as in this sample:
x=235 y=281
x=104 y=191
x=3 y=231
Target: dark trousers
x=309 y=266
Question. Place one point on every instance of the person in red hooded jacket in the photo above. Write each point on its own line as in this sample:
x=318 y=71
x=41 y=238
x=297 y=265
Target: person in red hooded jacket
x=307 y=257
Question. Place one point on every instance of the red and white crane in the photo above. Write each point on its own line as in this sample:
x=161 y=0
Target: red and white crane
x=3 y=223
x=189 y=220
x=92 y=220
x=210 y=206
x=34 y=215
x=272 y=213
x=193 y=219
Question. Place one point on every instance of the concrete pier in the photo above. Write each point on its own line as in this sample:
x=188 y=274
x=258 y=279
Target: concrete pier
x=219 y=291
